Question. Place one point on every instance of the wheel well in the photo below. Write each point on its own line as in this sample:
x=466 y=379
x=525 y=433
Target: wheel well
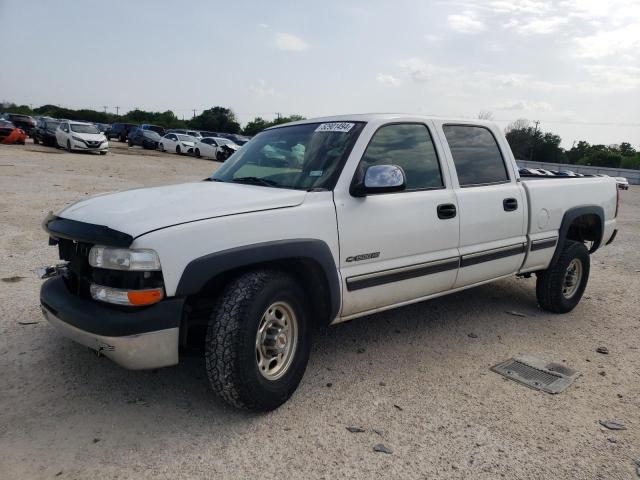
x=198 y=307
x=586 y=228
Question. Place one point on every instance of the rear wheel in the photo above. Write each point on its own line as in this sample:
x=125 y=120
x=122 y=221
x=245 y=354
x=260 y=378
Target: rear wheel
x=161 y=148
x=560 y=287
x=258 y=340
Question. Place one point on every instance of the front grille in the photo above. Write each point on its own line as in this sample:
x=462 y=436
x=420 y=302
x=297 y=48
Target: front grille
x=93 y=143
x=79 y=273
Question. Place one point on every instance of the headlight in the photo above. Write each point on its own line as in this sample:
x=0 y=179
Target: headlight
x=124 y=259
x=77 y=139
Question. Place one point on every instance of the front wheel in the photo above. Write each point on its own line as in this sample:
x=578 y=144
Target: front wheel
x=68 y=146
x=161 y=147
x=35 y=140
x=197 y=152
x=178 y=151
x=258 y=340
x=560 y=287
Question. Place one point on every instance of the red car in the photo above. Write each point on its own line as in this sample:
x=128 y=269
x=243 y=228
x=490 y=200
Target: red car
x=10 y=134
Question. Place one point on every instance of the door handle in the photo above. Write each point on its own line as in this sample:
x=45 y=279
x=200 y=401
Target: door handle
x=446 y=210
x=510 y=204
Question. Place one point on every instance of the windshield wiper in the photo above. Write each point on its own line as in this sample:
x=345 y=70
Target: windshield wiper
x=211 y=179
x=256 y=181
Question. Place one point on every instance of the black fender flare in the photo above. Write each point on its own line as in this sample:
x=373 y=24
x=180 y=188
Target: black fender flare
x=568 y=218
x=200 y=270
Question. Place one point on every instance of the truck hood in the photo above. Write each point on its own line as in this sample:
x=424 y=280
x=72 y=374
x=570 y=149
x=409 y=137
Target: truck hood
x=141 y=210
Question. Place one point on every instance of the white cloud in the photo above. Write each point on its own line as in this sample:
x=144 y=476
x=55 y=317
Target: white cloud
x=525 y=105
x=261 y=89
x=610 y=42
x=520 y=6
x=388 y=80
x=538 y=26
x=608 y=78
x=286 y=41
x=263 y=25
x=418 y=70
x=467 y=22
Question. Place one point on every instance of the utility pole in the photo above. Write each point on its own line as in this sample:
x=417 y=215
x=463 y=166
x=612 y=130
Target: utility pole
x=105 y=108
x=194 y=113
x=533 y=143
x=117 y=111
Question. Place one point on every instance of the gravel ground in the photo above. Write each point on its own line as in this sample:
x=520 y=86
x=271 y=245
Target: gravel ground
x=413 y=378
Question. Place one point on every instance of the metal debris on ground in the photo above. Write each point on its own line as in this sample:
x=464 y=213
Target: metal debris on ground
x=355 y=429
x=537 y=374
x=398 y=407
x=28 y=323
x=517 y=314
x=612 y=425
x=602 y=350
x=382 y=449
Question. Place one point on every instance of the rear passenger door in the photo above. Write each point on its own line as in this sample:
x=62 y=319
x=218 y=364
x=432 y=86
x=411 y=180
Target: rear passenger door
x=491 y=204
x=398 y=247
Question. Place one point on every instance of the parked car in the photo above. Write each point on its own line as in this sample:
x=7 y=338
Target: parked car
x=81 y=136
x=205 y=133
x=104 y=128
x=120 y=131
x=10 y=134
x=23 y=122
x=177 y=142
x=45 y=132
x=156 y=128
x=193 y=133
x=147 y=139
x=235 y=138
x=215 y=147
x=622 y=182
x=383 y=211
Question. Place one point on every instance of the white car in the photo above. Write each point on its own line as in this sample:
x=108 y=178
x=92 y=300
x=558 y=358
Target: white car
x=212 y=147
x=81 y=136
x=314 y=223
x=623 y=183
x=177 y=142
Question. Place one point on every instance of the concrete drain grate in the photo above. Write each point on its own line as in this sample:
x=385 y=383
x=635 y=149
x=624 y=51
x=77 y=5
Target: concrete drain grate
x=537 y=374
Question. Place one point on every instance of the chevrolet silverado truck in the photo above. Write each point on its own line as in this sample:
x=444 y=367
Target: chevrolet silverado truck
x=313 y=223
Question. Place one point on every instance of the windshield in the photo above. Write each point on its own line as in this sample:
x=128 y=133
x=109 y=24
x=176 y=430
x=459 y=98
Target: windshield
x=80 y=128
x=52 y=125
x=154 y=128
x=302 y=157
x=185 y=138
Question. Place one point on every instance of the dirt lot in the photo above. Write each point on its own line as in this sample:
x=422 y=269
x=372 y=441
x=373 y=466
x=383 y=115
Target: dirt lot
x=413 y=374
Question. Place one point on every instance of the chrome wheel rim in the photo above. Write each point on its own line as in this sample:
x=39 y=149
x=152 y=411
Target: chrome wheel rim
x=276 y=340
x=572 y=278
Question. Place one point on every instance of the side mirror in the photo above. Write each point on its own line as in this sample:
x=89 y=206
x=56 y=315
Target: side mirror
x=380 y=179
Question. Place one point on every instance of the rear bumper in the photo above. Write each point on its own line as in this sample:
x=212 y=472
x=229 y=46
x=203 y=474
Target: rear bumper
x=135 y=339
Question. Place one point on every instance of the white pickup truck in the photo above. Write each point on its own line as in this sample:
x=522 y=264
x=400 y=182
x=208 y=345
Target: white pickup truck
x=313 y=223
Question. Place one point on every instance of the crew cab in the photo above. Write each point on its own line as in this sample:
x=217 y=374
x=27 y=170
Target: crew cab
x=313 y=223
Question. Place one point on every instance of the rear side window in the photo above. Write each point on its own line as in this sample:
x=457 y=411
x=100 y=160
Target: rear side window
x=476 y=155
x=409 y=146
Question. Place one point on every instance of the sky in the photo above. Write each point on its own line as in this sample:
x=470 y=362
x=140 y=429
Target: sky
x=574 y=65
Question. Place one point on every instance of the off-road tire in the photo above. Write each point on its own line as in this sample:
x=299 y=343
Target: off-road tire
x=230 y=349
x=550 y=282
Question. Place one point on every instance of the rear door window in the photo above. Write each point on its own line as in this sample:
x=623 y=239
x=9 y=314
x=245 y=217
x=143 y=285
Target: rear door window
x=476 y=155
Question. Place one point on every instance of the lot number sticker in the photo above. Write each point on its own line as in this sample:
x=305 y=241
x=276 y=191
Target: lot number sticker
x=343 y=127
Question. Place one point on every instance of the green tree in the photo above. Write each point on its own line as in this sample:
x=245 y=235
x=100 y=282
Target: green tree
x=602 y=158
x=217 y=119
x=631 y=162
x=255 y=126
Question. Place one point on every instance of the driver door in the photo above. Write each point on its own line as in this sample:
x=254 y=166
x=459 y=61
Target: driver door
x=398 y=247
